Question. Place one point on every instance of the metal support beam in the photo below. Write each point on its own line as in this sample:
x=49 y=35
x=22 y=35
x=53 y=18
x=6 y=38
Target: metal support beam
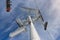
x=33 y=33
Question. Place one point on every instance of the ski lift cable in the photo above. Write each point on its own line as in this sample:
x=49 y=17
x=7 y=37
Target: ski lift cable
x=50 y=35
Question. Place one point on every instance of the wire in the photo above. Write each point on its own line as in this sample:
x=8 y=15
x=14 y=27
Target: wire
x=50 y=35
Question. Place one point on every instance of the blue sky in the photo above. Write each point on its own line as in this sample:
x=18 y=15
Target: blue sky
x=50 y=10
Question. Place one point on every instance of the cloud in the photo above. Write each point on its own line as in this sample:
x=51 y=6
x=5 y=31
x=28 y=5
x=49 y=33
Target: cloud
x=54 y=12
x=50 y=10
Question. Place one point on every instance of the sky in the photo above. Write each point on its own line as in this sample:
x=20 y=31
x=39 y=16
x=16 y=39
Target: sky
x=50 y=10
